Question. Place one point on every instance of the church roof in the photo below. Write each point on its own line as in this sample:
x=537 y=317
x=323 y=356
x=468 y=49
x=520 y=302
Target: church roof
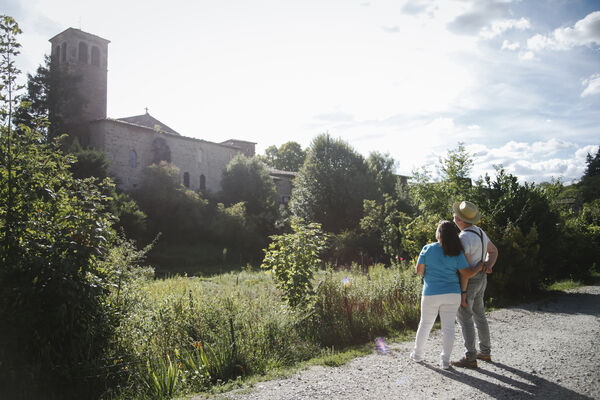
x=150 y=122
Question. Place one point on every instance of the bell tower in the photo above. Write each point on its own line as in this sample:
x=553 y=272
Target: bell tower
x=80 y=63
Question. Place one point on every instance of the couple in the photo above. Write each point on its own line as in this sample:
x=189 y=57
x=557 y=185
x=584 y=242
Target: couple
x=473 y=255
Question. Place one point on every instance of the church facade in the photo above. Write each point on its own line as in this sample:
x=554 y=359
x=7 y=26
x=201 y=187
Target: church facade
x=133 y=143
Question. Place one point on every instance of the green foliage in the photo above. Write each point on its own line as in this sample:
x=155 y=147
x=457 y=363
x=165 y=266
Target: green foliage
x=593 y=164
x=288 y=157
x=247 y=181
x=519 y=270
x=331 y=185
x=386 y=223
x=292 y=259
x=455 y=172
x=51 y=95
x=172 y=209
x=55 y=236
x=89 y=163
x=589 y=186
x=381 y=167
x=352 y=307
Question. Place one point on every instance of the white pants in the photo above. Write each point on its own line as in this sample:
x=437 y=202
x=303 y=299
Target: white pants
x=447 y=306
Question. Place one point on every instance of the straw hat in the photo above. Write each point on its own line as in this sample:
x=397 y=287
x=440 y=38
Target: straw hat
x=467 y=212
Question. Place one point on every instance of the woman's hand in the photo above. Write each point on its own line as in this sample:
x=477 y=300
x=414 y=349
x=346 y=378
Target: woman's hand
x=463 y=300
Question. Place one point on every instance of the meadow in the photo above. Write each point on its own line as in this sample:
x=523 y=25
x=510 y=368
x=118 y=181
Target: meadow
x=193 y=334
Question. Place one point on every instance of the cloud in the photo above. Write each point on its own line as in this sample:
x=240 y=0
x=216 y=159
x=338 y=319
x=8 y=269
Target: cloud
x=500 y=26
x=593 y=86
x=506 y=45
x=585 y=32
x=335 y=117
x=532 y=162
x=527 y=55
x=390 y=29
x=478 y=17
x=416 y=7
x=487 y=20
x=582 y=153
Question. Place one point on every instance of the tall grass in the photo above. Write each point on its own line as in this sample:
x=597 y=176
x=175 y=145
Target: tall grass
x=188 y=334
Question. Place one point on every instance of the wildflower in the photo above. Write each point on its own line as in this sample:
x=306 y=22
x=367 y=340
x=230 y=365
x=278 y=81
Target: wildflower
x=198 y=345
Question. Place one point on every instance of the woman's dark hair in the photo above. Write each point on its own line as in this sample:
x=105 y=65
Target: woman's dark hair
x=449 y=239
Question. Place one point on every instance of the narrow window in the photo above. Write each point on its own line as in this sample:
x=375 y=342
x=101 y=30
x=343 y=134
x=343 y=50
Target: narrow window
x=132 y=159
x=186 y=179
x=95 y=56
x=63 y=53
x=202 y=183
x=83 y=53
x=55 y=58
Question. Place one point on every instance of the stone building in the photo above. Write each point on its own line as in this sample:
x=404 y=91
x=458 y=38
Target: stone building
x=133 y=143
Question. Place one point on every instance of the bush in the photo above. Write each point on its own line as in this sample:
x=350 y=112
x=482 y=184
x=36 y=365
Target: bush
x=353 y=307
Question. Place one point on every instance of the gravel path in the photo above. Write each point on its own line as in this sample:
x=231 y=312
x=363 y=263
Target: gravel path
x=546 y=350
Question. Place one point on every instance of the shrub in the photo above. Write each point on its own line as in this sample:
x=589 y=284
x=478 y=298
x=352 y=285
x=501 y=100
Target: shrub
x=292 y=259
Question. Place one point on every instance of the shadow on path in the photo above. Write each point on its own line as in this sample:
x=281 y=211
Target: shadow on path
x=535 y=387
x=567 y=303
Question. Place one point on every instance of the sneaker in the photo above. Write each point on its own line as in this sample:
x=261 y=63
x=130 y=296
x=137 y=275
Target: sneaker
x=484 y=357
x=414 y=357
x=464 y=363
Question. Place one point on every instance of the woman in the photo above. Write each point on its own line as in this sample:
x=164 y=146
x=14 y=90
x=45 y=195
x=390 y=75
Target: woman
x=438 y=263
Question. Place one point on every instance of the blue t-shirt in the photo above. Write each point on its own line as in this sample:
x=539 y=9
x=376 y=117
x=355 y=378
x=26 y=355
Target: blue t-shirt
x=441 y=275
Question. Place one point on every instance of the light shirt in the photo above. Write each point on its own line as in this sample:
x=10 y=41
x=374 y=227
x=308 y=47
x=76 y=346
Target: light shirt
x=472 y=244
x=441 y=271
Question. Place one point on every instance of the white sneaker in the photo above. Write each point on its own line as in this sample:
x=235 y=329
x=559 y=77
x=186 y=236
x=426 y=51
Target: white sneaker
x=414 y=357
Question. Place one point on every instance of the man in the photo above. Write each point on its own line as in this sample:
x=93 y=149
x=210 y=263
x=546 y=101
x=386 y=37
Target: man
x=478 y=247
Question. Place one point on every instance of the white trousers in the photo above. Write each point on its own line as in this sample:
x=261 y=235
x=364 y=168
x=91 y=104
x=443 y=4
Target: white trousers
x=447 y=306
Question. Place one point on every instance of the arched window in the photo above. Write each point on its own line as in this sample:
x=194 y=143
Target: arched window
x=63 y=53
x=202 y=183
x=186 y=179
x=132 y=159
x=95 y=56
x=83 y=53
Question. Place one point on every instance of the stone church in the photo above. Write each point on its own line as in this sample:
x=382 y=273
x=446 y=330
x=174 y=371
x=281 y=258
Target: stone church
x=133 y=143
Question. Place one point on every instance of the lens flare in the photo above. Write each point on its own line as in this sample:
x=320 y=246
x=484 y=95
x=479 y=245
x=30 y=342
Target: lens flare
x=382 y=347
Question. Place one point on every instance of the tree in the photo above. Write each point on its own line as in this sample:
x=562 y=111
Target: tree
x=51 y=95
x=54 y=232
x=455 y=172
x=246 y=179
x=593 y=164
x=288 y=157
x=589 y=185
x=381 y=166
x=292 y=258
x=180 y=214
x=331 y=185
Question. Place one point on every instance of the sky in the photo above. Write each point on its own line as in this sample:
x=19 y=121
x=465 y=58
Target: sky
x=518 y=82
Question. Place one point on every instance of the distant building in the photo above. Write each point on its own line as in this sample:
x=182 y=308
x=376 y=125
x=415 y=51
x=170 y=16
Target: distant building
x=133 y=143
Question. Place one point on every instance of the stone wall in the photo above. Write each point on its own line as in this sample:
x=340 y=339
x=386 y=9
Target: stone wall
x=131 y=148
